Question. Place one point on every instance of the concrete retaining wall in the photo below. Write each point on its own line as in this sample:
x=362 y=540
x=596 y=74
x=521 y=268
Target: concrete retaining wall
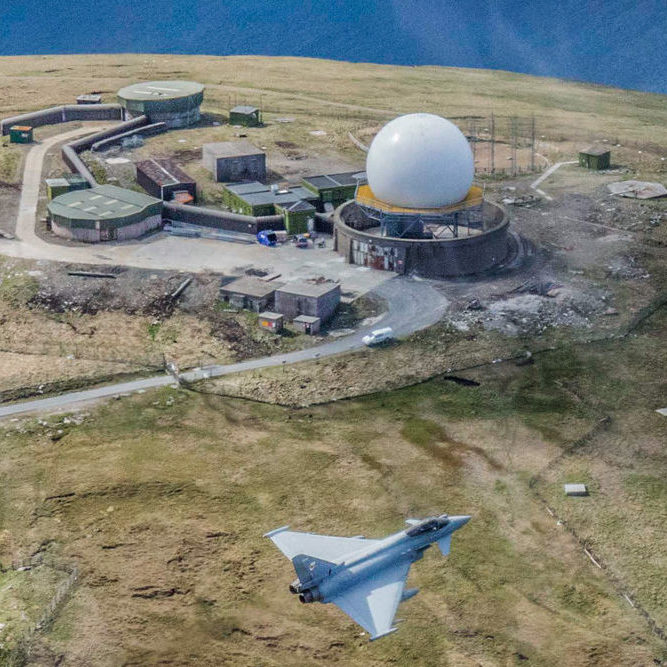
x=144 y=131
x=64 y=114
x=430 y=258
x=208 y=217
x=70 y=152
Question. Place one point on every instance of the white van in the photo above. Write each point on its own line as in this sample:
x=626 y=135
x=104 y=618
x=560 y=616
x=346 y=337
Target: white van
x=378 y=336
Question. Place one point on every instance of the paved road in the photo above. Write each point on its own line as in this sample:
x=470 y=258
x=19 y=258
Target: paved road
x=413 y=305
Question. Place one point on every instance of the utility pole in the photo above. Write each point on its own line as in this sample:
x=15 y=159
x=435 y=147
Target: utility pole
x=493 y=143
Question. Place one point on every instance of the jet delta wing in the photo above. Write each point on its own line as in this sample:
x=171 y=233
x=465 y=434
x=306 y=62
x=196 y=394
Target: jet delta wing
x=373 y=603
x=325 y=547
x=364 y=578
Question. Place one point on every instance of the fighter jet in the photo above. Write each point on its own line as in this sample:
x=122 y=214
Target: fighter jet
x=363 y=577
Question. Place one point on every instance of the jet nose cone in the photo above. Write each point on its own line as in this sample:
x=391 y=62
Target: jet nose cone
x=460 y=520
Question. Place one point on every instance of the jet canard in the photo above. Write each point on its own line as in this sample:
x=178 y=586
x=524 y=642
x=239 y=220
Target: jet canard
x=365 y=578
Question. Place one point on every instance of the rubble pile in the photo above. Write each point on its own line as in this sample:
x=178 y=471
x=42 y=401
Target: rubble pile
x=531 y=310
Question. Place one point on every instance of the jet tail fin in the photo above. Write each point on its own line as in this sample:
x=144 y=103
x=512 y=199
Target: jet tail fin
x=309 y=568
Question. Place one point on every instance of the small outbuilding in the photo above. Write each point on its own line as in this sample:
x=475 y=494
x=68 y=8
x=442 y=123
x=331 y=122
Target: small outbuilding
x=333 y=190
x=163 y=178
x=595 y=157
x=20 y=134
x=272 y=322
x=247 y=116
x=250 y=293
x=68 y=183
x=234 y=161
x=575 y=490
x=90 y=98
x=316 y=299
x=296 y=215
x=307 y=324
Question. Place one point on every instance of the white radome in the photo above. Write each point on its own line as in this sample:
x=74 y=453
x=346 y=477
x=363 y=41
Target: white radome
x=420 y=161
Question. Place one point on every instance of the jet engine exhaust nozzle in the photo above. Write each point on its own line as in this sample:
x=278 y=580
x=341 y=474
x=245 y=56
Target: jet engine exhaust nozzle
x=311 y=595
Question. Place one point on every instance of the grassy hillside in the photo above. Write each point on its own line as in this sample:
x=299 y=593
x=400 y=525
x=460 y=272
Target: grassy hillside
x=162 y=500
x=345 y=90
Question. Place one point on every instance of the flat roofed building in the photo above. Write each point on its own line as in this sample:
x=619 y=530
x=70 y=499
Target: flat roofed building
x=255 y=198
x=246 y=115
x=234 y=161
x=575 y=489
x=104 y=213
x=595 y=157
x=316 y=299
x=90 y=98
x=307 y=324
x=333 y=190
x=250 y=293
x=161 y=178
x=272 y=322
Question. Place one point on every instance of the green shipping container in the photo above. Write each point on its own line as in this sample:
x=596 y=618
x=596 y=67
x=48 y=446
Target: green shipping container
x=20 y=134
x=595 y=158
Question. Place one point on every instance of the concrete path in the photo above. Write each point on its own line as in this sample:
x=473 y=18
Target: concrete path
x=413 y=305
x=32 y=179
x=163 y=252
x=546 y=175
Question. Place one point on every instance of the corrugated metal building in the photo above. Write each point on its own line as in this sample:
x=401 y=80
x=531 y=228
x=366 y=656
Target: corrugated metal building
x=247 y=116
x=317 y=299
x=162 y=178
x=104 y=213
x=230 y=161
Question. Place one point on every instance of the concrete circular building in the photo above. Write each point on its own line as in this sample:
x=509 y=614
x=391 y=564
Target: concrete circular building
x=419 y=212
x=104 y=213
x=175 y=103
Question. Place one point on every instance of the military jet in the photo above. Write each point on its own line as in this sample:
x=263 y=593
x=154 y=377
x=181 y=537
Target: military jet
x=363 y=577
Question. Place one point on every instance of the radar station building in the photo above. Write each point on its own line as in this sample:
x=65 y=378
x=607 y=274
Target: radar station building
x=175 y=103
x=418 y=212
x=230 y=161
x=104 y=213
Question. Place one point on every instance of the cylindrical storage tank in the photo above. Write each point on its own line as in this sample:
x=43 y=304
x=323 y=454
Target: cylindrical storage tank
x=175 y=103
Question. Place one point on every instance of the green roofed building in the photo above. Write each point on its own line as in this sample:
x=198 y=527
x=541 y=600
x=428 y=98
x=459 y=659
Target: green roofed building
x=255 y=198
x=175 y=103
x=104 y=213
x=332 y=190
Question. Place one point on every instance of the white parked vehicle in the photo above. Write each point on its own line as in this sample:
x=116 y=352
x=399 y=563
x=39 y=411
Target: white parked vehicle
x=378 y=336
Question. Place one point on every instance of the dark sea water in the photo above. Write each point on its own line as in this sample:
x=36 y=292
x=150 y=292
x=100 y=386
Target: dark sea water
x=615 y=42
